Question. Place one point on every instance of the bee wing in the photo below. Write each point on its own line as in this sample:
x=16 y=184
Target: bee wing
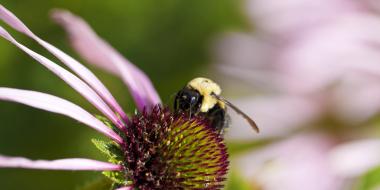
x=240 y=112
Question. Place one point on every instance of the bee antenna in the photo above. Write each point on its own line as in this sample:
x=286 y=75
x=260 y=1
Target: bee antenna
x=240 y=112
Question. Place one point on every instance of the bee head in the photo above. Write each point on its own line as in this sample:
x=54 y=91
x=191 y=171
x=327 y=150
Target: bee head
x=197 y=95
x=188 y=99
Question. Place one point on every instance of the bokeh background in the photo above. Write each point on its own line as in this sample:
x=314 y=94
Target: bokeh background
x=307 y=71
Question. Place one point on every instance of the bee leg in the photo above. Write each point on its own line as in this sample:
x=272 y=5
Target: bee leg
x=221 y=131
x=176 y=101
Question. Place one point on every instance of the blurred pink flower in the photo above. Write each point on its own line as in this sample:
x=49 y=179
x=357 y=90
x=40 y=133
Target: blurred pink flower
x=277 y=116
x=293 y=16
x=306 y=60
x=325 y=52
x=315 y=161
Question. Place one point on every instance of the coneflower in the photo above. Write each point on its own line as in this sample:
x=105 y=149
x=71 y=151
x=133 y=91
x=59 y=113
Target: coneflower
x=152 y=149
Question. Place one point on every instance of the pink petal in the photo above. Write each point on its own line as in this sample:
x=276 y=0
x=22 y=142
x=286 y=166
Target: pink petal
x=68 y=77
x=57 y=105
x=125 y=188
x=361 y=104
x=293 y=16
x=373 y=4
x=106 y=57
x=62 y=164
x=355 y=158
x=296 y=163
x=317 y=64
x=296 y=111
x=78 y=68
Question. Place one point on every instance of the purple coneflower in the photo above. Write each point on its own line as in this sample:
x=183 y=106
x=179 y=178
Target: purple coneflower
x=153 y=149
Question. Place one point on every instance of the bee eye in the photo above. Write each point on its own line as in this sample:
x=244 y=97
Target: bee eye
x=184 y=97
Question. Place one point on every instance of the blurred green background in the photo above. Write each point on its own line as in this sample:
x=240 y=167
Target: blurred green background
x=168 y=39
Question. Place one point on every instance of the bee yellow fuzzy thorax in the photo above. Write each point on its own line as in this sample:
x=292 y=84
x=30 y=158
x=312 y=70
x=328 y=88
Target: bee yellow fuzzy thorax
x=206 y=88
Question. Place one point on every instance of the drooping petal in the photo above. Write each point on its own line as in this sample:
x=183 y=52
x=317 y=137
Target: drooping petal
x=355 y=158
x=61 y=164
x=68 y=77
x=106 y=57
x=57 y=105
x=78 y=68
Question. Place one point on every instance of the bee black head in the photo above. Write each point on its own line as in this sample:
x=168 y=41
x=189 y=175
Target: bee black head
x=188 y=99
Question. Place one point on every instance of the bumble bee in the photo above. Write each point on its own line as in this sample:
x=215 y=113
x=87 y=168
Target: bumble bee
x=201 y=96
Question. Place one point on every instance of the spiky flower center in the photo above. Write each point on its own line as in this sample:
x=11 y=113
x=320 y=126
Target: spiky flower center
x=163 y=150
